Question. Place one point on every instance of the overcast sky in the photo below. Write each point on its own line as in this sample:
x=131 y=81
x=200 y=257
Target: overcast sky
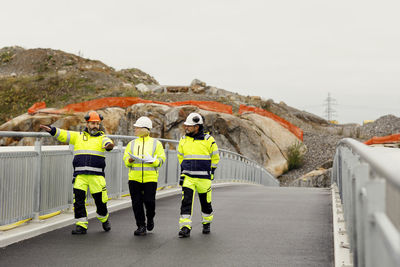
x=295 y=51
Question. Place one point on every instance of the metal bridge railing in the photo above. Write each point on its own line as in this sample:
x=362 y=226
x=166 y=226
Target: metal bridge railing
x=368 y=179
x=37 y=180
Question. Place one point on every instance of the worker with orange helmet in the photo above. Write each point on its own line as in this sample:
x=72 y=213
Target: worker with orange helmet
x=90 y=146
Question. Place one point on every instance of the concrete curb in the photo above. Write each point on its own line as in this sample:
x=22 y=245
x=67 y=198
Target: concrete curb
x=342 y=253
x=32 y=229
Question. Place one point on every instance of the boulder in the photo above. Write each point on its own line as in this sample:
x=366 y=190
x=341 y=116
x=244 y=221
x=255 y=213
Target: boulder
x=141 y=87
x=197 y=82
x=316 y=178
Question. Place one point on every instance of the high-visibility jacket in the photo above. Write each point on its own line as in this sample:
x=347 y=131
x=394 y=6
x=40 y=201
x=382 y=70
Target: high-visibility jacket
x=89 y=150
x=198 y=155
x=141 y=147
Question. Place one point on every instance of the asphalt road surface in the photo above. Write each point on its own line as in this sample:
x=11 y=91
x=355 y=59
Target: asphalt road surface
x=253 y=226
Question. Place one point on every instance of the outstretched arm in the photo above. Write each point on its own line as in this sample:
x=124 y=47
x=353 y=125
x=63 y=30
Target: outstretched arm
x=49 y=129
x=61 y=135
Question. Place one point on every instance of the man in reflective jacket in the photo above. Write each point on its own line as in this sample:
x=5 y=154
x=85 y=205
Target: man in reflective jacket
x=198 y=156
x=143 y=156
x=89 y=163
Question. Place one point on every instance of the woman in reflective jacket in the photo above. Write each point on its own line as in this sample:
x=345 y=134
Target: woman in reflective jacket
x=143 y=156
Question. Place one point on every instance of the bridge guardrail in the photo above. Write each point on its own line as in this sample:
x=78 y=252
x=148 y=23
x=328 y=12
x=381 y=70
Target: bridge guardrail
x=368 y=179
x=37 y=180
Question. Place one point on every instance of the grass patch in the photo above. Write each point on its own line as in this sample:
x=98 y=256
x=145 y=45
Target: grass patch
x=295 y=156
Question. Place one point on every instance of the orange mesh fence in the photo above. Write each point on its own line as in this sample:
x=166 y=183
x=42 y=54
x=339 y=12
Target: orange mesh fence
x=394 y=138
x=129 y=101
x=35 y=107
x=104 y=103
x=295 y=130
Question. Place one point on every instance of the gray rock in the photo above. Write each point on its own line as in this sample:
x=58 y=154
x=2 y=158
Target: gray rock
x=197 y=82
x=317 y=178
x=142 y=88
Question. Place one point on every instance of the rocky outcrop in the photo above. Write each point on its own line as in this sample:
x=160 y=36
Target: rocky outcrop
x=259 y=138
x=316 y=178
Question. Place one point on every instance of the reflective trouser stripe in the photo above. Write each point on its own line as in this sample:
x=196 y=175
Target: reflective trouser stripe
x=185 y=221
x=207 y=218
x=102 y=218
x=82 y=222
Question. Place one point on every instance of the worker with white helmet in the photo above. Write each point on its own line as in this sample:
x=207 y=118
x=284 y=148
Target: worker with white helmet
x=143 y=156
x=198 y=156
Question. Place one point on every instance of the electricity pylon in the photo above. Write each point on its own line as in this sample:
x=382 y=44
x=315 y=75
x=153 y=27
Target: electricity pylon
x=330 y=112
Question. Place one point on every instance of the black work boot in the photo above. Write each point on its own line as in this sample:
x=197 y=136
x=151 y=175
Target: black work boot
x=140 y=231
x=184 y=232
x=206 y=228
x=106 y=226
x=150 y=225
x=79 y=230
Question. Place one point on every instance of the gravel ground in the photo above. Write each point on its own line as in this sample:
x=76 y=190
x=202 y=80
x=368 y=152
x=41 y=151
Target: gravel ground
x=322 y=147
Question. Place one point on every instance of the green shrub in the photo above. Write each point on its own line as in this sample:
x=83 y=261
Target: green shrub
x=5 y=57
x=295 y=156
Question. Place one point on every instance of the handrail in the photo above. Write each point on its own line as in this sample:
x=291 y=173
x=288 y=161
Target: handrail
x=369 y=188
x=112 y=136
x=380 y=165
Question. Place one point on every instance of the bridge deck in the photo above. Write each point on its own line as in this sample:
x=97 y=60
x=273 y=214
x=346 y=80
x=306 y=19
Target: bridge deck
x=253 y=226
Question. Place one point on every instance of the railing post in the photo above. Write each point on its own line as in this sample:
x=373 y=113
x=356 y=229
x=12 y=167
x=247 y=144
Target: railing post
x=71 y=196
x=375 y=202
x=38 y=163
x=166 y=162
x=121 y=166
x=178 y=168
x=362 y=175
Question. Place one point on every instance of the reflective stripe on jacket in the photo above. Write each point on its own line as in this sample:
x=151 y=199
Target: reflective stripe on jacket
x=198 y=155
x=89 y=151
x=140 y=147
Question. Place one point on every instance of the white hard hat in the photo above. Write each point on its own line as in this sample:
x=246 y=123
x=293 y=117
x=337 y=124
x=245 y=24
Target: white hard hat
x=193 y=119
x=143 y=122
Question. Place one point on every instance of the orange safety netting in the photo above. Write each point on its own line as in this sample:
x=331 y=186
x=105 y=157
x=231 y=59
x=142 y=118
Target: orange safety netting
x=35 y=107
x=126 y=102
x=394 y=138
x=295 y=130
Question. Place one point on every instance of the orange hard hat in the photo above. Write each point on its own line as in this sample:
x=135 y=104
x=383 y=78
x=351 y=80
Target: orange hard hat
x=93 y=116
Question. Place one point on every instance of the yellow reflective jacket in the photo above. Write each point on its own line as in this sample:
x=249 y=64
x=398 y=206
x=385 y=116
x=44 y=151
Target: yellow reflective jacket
x=198 y=156
x=89 y=150
x=140 y=147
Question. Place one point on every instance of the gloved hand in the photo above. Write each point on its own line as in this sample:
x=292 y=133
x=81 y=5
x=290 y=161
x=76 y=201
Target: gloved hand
x=109 y=146
x=212 y=173
x=181 y=179
x=48 y=128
